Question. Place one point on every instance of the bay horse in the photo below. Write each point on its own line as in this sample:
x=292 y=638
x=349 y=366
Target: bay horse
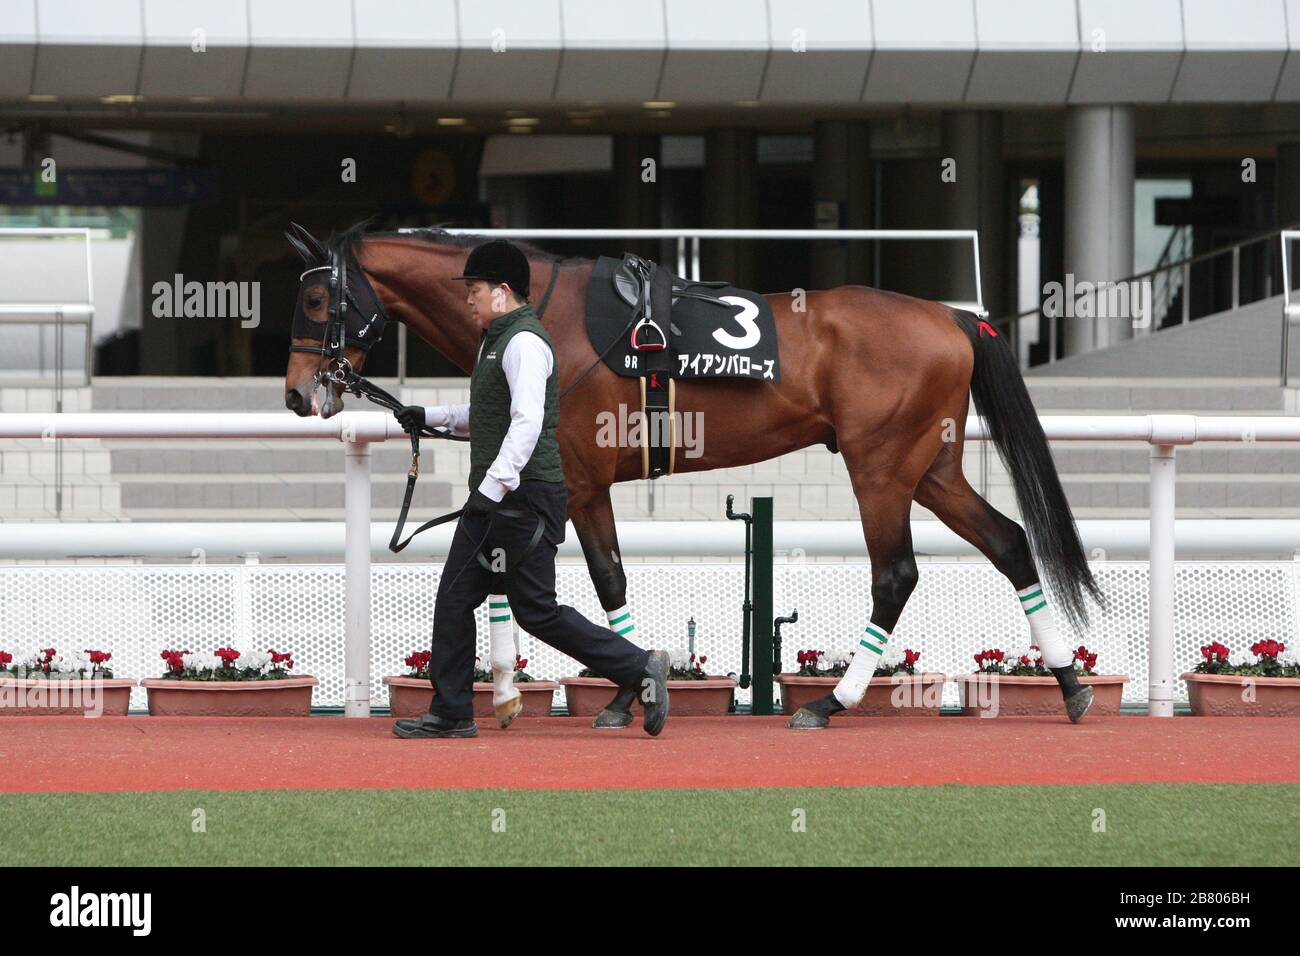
x=885 y=379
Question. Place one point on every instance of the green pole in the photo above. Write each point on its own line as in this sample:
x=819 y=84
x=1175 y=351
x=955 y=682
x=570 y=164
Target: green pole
x=762 y=626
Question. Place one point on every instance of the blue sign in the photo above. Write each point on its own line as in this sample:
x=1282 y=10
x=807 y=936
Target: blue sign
x=107 y=187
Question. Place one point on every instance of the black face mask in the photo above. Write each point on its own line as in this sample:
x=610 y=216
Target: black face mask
x=363 y=315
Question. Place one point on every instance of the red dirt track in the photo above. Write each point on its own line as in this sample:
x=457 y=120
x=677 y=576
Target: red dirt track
x=42 y=754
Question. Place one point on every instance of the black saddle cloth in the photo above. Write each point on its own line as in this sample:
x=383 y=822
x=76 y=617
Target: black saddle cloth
x=705 y=339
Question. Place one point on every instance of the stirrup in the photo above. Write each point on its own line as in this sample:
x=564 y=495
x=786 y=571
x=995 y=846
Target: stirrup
x=655 y=330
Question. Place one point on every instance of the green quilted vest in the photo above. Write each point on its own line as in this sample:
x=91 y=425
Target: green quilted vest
x=489 y=402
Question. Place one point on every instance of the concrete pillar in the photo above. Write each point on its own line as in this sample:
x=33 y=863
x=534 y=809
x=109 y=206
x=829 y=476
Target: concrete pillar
x=730 y=202
x=1287 y=188
x=636 y=201
x=166 y=343
x=1099 y=174
x=977 y=200
x=842 y=198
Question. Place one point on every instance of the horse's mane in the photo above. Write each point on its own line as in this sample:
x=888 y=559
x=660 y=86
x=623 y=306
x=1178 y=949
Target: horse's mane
x=437 y=235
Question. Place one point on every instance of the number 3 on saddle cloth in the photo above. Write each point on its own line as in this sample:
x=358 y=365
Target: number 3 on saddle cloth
x=648 y=324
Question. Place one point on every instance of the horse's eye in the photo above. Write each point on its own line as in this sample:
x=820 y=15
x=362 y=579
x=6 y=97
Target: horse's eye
x=314 y=302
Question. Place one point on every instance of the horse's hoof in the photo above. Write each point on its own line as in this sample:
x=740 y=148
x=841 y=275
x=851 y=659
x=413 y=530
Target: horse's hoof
x=508 y=710
x=1078 y=705
x=611 y=720
x=805 y=719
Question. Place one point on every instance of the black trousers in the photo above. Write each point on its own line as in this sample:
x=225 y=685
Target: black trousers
x=530 y=586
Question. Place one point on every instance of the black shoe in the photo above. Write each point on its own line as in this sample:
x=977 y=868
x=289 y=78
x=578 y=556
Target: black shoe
x=431 y=725
x=618 y=712
x=652 y=692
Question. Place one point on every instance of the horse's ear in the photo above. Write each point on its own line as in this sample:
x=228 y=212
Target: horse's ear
x=302 y=250
x=318 y=249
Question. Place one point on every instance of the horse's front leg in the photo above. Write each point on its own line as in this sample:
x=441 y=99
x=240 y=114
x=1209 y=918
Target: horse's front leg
x=593 y=518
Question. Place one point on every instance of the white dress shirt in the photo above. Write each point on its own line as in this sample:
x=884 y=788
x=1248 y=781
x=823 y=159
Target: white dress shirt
x=527 y=362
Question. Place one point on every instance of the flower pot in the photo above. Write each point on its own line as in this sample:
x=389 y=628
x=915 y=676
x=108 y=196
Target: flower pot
x=410 y=697
x=993 y=695
x=35 y=697
x=903 y=695
x=1231 y=695
x=289 y=697
x=711 y=697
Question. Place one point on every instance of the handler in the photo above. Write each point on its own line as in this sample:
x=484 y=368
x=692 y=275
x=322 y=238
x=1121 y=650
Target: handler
x=511 y=421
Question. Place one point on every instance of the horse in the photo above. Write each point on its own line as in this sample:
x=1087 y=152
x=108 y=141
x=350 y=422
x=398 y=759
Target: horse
x=882 y=378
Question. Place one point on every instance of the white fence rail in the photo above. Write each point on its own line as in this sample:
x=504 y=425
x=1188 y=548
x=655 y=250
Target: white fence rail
x=254 y=541
x=358 y=429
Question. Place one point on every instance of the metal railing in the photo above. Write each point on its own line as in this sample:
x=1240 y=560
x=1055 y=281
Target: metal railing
x=58 y=314
x=1173 y=279
x=357 y=430
x=688 y=250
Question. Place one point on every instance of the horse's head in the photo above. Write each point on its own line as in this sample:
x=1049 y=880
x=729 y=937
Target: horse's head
x=336 y=320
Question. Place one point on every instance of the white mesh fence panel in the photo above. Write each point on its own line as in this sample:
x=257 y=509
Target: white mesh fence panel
x=958 y=608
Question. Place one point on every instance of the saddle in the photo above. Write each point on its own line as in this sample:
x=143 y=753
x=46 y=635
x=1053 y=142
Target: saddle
x=652 y=292
x=679 y=328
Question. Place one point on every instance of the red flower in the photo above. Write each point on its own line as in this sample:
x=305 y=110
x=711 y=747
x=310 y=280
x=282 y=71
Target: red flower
x=703 y=660
x=228 y=656
x=520 y=662
x=175 y=660
x=419 y=659
x=1214 y=651
x=98 y=657
x=1267 y=648
x=910 y=656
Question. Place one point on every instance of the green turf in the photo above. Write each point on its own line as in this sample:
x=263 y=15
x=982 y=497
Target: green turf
x=1166 y=824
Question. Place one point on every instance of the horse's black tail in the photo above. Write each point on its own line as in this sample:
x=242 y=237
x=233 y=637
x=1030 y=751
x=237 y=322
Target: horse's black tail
x=1002 y=401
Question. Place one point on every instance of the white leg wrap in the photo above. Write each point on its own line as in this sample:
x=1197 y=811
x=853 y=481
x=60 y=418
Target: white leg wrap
x=620 y=622
x=853 y=685
x=501 y=640
x=1042 y=627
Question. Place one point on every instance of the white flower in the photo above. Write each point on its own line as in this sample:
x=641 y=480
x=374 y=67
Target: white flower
x=1289 y=656
x=202 y=662
x=258 y=660
x=680 y=657
x=1242 y=658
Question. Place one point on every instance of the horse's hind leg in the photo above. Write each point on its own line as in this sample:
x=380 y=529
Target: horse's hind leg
x=885 y=513
x=945 y=491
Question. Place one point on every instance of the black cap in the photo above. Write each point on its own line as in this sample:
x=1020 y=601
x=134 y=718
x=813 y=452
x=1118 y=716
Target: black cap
x=499 y=261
